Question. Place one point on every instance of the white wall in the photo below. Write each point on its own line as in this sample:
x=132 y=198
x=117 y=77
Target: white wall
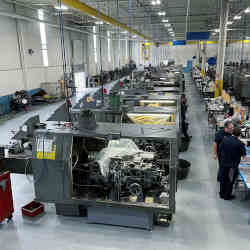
x=26 y=35
x=181 y=54
x=54 y=71
x=91 y=60
x=33 y=63
x=106 y=64
x=136 y=52
x=35 y=72
x=10 y=68
x=20 y=70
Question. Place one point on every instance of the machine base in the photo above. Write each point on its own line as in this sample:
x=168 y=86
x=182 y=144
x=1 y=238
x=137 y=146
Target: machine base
x=121 y=217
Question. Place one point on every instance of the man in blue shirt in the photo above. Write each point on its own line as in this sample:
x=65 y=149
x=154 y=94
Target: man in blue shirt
x=226 y=131
x=231 y=150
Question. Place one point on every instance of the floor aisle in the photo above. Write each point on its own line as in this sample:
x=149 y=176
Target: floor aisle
x=202 y=220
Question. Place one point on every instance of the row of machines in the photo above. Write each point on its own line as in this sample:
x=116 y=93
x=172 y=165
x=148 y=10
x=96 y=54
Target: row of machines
x=114 y=157
x=233 y=104
x=106 y=76
x=237 y=80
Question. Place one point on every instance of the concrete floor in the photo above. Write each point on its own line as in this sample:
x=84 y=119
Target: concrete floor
x=202 y=220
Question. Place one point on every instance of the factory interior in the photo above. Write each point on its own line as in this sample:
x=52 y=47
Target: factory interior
x=124 y=124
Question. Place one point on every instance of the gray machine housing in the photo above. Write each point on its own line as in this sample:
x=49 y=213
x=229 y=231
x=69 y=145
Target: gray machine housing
x=53 y=177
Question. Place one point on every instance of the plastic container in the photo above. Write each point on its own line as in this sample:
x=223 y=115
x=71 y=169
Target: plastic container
x=33 y=209
x=183 y=169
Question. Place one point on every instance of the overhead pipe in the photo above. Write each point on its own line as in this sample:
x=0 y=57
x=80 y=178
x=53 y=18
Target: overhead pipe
x=77 y=5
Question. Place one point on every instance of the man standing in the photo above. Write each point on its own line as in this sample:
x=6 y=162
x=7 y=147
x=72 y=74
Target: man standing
x=231 y=150
x=226 y=131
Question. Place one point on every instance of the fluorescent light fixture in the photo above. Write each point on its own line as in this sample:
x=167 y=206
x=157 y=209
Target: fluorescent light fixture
x=247 y=10
x=40 y=14
x=109 y=46
x=43 y=39
x=162 y=13
x=171 y=29
x=217 y=30
x=99 y=22
x=167 y=25
x=62 y=7
x=156 y=2
x=165 y=20
x=229 y=22
x=237 y=17
x=124 y=32
x=95 y=43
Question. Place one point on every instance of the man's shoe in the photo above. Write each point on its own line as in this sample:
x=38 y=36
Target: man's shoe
x=221 y=196
x=229 y=198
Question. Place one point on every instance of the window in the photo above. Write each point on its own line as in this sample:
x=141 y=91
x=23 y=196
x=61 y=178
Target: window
x=95 y=43
x=43 y=39
x=109 y=47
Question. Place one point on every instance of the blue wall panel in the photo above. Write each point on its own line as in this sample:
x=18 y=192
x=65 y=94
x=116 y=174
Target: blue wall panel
x=194 y=36
x=179 y=42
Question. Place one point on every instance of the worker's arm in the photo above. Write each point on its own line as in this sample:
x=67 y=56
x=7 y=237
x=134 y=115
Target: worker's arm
x=215 y=150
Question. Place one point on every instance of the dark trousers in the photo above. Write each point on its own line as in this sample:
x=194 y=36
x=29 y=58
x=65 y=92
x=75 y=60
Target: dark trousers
x=185 y=129
x=227 y=181
x=218 y=174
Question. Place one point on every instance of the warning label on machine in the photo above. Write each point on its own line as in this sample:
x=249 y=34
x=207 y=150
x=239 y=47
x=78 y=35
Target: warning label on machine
x=45 y=149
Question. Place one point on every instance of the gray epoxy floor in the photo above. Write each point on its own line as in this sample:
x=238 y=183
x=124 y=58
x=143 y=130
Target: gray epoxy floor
x=202 y=220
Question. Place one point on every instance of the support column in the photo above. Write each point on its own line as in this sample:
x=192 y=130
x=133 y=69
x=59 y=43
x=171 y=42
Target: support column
x=221 y=47
x=198 y=54
x=204 y=60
